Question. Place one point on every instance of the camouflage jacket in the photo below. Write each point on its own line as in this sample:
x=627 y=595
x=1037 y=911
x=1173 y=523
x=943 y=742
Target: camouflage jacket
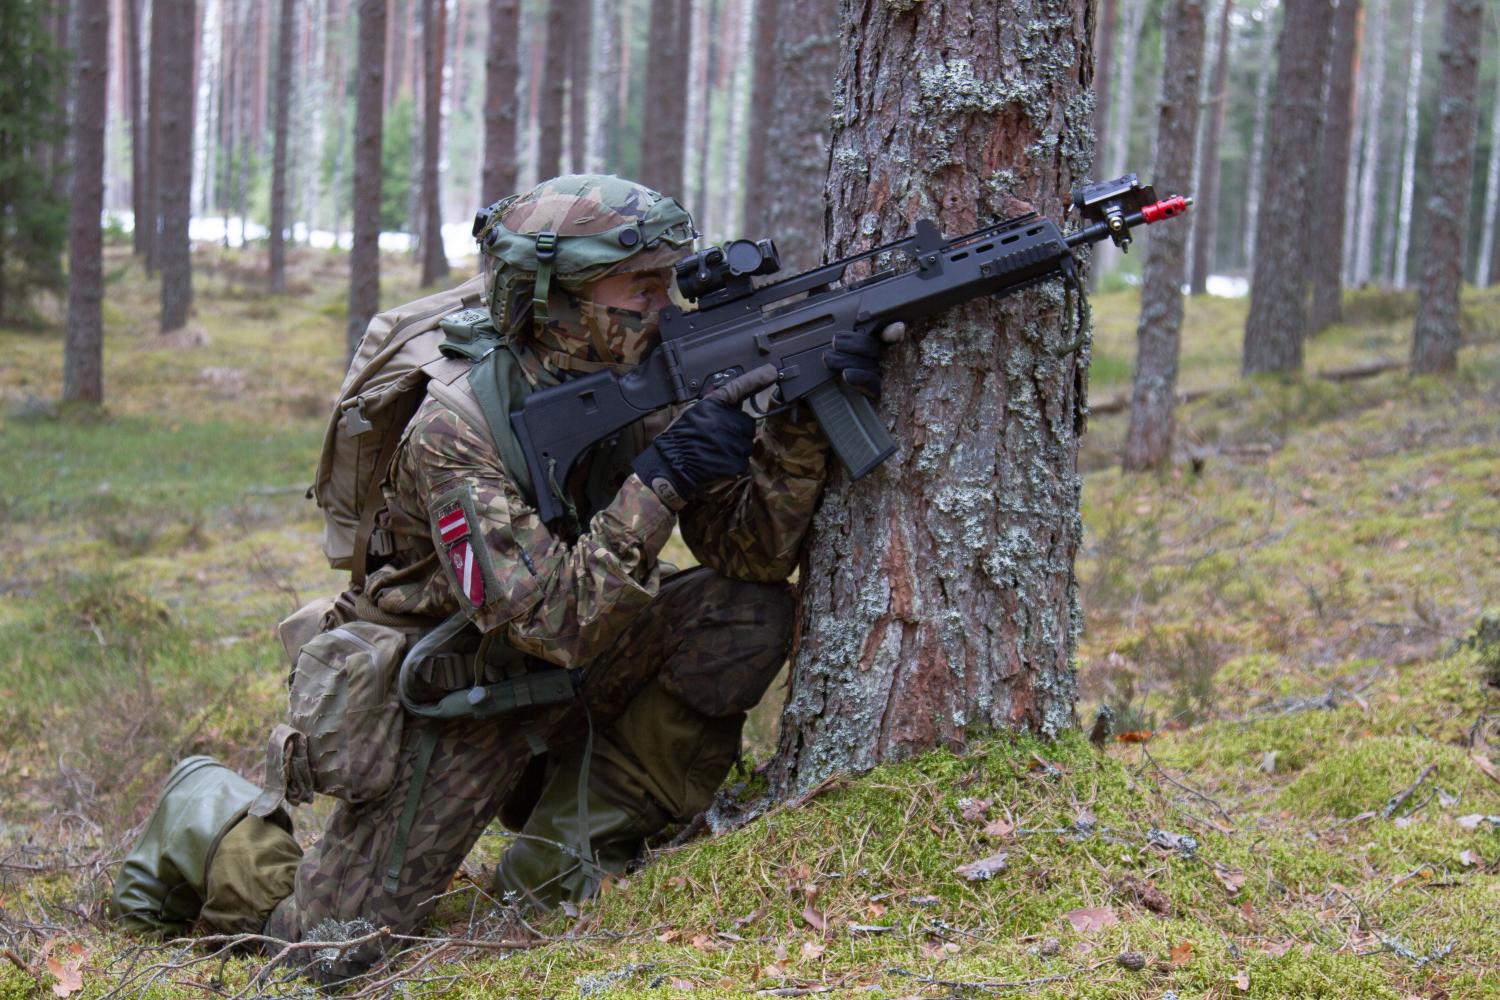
x=566 y=603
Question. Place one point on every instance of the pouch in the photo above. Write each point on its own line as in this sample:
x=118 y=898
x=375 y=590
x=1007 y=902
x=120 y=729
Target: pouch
x=344 y=702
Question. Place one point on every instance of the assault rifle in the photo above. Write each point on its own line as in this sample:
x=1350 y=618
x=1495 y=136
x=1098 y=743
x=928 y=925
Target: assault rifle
x=738 y=327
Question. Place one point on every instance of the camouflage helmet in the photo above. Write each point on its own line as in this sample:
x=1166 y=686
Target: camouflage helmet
x=542 y=247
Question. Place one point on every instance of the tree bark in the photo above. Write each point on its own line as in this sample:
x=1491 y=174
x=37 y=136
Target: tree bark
x=580 y=76
x=153 y=139
x=501 y=68
x=1148 y=443
x=805 y=74
x=666 y=98
x=1484 y=267
x=554 y=90
x=1205 y=231
x=763 y=87
x=1277 y=323
x=83 y=347
x=136 y=123
x=369 y=116
x=1409 y=148
x=939 y=596
x=284 y=55
x=1435 y=339
x=1104 y=56
x=1255 y=172
x=1326 y=241
x=1370 y=158
x=434 y=257
x=176 y=169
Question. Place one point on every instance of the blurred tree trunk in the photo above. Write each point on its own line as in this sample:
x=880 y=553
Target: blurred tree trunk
x=1326 y=242
x=554 y=90
x=83 y=348
x=135 y=122
x=1435 y=339
x=1485 y=271
x=434 y=256
x=1409 y=148
x=1104 y=54
x=666 y=97
x=763 y=87
x=703 y=49
x=580 y=77
x=284 y=55
x=177 y=24
x=501 y=67
x=938 y=594
x=1255 y=171
x=801 y=104
x=1370 y=157
x=56 y=153
x=1205 y=214
x=336 y=188
x=1148 y=443
x=153 y=139
x=369 y=114
x=1277 y=323
x=734 y=84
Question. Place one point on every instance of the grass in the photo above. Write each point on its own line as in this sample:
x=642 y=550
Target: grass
x=1295 y=620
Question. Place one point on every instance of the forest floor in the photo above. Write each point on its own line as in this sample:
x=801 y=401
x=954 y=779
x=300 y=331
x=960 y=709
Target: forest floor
x=1304 y=800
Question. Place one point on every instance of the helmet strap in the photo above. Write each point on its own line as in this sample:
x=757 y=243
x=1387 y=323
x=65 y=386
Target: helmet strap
x=546 y=252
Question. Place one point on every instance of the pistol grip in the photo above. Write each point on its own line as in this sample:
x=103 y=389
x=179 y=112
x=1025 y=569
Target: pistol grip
x=853 y=427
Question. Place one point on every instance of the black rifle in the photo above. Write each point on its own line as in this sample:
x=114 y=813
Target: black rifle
x=791 y=324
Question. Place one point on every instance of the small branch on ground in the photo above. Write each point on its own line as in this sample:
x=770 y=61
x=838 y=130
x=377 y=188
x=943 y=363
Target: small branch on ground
x=1395 y=802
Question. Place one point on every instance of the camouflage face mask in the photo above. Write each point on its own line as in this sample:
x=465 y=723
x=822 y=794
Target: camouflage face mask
x=584 y=336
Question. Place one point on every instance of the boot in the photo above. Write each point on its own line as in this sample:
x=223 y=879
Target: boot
x=161 y=886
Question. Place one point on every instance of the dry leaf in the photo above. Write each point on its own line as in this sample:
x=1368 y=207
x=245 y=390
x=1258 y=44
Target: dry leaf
x=815 y=918
x=1483 y=763
x=1468 y=859
x=704 y=943
x=683 y=984
x=939 y=950
x=68 y=973
x=874 y=910
x=1182 y=954
x=1135 y=736
x=1147 y=895
x=999 y=829
x=1232 y=879
x=974 y=810
x=983 y=869
x=1088 y=919
x=1242 y=980
x=667 y=937
x=812 y=950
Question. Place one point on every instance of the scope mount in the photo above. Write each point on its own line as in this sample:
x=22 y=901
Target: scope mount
x=1110 y=202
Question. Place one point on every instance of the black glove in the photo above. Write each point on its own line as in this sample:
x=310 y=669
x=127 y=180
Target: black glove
x=855 y=357
x=709 y=442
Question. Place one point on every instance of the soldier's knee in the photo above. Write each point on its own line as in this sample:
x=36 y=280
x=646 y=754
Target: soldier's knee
x=740 y=634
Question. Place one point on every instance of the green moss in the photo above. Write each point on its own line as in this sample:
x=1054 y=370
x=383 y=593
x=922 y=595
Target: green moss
x=1363 y=776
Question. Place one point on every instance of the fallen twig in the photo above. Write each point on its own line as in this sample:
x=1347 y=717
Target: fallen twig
x=1395 y=802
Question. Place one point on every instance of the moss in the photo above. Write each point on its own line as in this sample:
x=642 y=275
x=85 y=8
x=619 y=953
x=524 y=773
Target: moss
x=1363 y=776
x=16 y=984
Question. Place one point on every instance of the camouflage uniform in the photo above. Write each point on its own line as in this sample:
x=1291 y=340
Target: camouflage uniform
x=670 y=664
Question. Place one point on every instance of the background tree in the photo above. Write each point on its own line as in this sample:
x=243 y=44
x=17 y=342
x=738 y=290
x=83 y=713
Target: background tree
x=33 y=220
x=176 y=22
x=551 y=122
x=1148 y=443
x=1255 y=167
x=1326 y=240
x=501 y=70
x=762 y=87
x=580 y=76
x=975 y=519
x=1205 y=215
x=1373 y=98
x=666 y=97
x=136 y=122
x=434 y=257
x=1409 y=142
x=1435 y=338
x=1487 y=267
x=1277 y=322
x=797 y=155
x=83 y=349
x=364 y=255
x=285 y=53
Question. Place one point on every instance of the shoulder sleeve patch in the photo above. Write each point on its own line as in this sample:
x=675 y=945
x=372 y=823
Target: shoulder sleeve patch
x=456 y=531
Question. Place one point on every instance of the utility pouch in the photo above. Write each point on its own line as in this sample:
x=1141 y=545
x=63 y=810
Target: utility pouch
x=344 y=704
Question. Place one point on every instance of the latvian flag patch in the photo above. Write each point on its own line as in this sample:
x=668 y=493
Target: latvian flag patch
x=452 y=526
x=466 y=571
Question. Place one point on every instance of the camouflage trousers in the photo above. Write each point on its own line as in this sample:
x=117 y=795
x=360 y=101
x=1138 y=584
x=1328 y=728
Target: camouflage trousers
x=667 y=705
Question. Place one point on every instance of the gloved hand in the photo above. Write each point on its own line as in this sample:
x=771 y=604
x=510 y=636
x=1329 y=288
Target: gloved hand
x=855 y=357
x=709 y=442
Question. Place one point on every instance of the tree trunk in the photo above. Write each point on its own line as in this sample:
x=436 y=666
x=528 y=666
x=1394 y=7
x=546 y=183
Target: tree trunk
x=939 y=596
x=1370 y=159
x=580 y=75
x=736 y=88
x=1435 y=339
x=284 y=55
x=434 y=257
x=699 y=97
x=1255 y=172
x=805 y=74
x=1205 y=215
x=83 y=348
x=136 y=123
x=1105 y=258
x=369 y=114
x=554 y=90
x=1326 y=241
x=1148 y=444
x=763 y=88
x=501 y=67
x=1104 y=55
x=1409 y=147
x=1277 y=323
x=1485 y=269
x=153 y=139
x=666 y=98
x=176 y=169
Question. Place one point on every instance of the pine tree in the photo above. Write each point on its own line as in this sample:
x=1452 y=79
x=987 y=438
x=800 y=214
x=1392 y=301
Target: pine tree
x=369 y=116
x=33 y=219
x=285 y=53
x=800 y=106
x=83 y=350
x=975 y=519
x=1409 y=144
x=1435 y=337
x=1205 y=213
x=554 y=90
x=434 y=257
x=501 y=68
x=1326 y=240
x=763 y=86
x=175 y=22
x=1148 y=443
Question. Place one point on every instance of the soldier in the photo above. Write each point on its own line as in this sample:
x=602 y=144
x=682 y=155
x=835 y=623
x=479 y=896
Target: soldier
x=667 y=663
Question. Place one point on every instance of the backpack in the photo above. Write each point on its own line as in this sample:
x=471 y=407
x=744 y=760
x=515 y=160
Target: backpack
x=387 y=379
